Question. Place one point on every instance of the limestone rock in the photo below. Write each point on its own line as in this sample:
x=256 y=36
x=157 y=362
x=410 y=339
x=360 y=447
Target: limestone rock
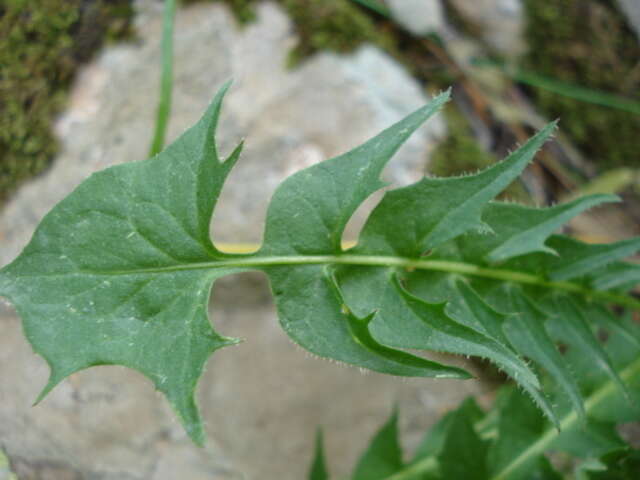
x=501 y=22
x=419 y=17
x=631 y=8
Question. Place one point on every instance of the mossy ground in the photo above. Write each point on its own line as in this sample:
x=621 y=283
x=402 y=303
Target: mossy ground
x=43 y=42
x=587 y=43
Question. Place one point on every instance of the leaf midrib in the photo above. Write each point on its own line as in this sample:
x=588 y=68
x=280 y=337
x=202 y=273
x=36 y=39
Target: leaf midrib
x=462 y=268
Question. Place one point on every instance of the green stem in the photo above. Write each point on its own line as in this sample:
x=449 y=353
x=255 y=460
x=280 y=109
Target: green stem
x=166 y=80
x=407 y=263
x=426 y=465
x=598 y=397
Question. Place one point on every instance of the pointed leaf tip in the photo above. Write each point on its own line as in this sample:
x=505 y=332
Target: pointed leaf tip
x=401 y=223
x=383 y=456
x=52 y=382
x=209 y=120
x=578 y=258
x=44 y=392
x=318 y=466
x=233 y=157
x=298 y=203
x=521 y=230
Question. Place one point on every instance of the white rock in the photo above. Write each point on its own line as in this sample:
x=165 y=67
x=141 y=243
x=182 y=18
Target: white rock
x=501 y=22
x=418 y=16
x=631 y=8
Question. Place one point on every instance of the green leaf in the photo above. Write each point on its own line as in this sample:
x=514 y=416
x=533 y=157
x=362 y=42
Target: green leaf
x=307 y=216
x=383 y=456
x=526 y=332
x=444 y=334
x=519 y=230
x=120 y=271
x=470 y=309
x=571 y=318
x=433 y=442
x=318 y=467
x=314 y=314
x=411 y=220
x=619 y=275
x=100 y=283
x=620 y=327
x=519 y=425
x=581 y=258
x=311 y=208
x=464 y=453
x=619 y=464
x=595 y=438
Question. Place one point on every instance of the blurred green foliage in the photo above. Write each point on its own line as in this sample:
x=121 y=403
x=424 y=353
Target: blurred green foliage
x=43 y=42
x=587 y=43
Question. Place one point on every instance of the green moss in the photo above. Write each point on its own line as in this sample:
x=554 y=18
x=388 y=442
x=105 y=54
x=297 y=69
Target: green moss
x=42 y=45
x=588 y=43
x=337 y=25
x=461 y=153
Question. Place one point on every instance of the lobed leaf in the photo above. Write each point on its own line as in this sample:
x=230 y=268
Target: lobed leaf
x=310 y=209
x=411 y=220
x=519 y=230
x=120 y=272
x=102 y=282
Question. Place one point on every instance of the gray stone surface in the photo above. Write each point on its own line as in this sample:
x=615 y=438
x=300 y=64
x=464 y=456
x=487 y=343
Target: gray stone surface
x=418 y=16
x=263 y=399
x=501 y=22
x=631 y=8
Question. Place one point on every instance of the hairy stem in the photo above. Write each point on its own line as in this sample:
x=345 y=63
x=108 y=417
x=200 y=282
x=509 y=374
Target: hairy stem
x=462 y=268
